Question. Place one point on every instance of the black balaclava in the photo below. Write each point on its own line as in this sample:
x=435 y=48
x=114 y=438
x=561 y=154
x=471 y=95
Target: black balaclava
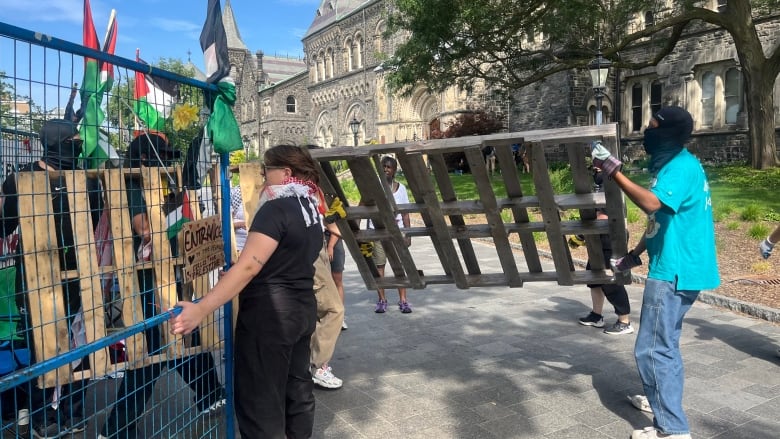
x=675 y=125
x=60 y=150
x=145 y=146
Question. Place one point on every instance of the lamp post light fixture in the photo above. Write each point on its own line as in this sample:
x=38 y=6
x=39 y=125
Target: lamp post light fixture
x=599 y=71
x=354 y=126
x=245 y=140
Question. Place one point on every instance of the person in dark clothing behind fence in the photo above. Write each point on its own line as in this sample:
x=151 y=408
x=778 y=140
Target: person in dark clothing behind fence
x=198 y=371
x=61 y=148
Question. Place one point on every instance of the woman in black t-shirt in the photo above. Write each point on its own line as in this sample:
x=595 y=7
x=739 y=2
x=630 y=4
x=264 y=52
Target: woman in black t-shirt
x=278 y=311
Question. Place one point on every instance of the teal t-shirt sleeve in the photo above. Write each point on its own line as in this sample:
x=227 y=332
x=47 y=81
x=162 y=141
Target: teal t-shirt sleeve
x=671 y=187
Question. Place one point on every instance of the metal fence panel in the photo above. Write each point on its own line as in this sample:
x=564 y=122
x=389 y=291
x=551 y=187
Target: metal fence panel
x=90 y=268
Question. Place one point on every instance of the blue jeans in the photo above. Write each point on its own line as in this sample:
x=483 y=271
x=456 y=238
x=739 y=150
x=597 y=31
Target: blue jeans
x=657 y=352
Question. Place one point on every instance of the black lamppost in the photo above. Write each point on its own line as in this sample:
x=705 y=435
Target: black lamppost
x=354 y=125
x=599 y=71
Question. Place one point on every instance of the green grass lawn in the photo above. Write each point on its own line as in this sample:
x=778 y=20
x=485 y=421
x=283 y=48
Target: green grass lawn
x=753 y=194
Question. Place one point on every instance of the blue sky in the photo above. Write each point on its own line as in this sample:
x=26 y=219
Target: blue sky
x=167 y=28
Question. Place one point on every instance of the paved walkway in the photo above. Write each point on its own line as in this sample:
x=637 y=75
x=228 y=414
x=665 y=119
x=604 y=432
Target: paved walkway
x=514 y=363
x=507 y=363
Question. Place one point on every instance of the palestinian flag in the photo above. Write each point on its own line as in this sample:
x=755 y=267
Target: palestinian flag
x=222 y=128
x=179 y=216
x=213 y=42
x=98 y=80
x=154 y=99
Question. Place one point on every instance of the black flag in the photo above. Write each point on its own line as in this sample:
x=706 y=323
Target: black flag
x=213 y=42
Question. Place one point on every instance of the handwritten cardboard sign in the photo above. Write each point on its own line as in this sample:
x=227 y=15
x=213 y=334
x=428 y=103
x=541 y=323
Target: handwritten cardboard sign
x=202 y=246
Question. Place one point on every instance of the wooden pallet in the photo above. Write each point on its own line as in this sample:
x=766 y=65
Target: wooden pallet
x=44 y=278
x=443 y=215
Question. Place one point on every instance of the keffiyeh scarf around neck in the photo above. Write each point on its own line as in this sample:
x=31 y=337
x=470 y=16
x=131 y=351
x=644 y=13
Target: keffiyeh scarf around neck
x=293 y=187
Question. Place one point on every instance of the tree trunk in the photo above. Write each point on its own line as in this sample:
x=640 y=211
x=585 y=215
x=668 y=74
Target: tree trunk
x=761 y=119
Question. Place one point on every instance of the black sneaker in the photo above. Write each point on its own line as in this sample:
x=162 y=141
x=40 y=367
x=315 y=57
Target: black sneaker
x=77 y=427
x=592 y=319
x=619 y=328
x=47 y=431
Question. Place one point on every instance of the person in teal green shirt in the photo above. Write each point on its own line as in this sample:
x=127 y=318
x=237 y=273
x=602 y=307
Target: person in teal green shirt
x=680 y=238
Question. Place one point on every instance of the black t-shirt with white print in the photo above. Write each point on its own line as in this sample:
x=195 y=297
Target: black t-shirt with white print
x=297 y=229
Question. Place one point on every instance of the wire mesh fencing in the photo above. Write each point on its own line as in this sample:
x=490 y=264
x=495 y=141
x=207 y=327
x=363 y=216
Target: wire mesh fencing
x=104 y=163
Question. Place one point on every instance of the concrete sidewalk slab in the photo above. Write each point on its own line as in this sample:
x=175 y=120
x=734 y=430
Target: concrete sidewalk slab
x=514 y=363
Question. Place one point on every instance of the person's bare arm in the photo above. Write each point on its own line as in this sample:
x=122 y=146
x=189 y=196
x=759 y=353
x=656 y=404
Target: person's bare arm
x=643 y=198
x=333 y=238
x=259 y=248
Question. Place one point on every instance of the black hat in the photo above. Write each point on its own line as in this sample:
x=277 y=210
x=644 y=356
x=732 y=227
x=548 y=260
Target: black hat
x=59 y=148
x=145 y=144
x=675 y=122
x=55 y=131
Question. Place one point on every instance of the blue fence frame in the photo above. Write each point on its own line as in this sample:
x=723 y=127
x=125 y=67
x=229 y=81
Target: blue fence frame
x=32 y=372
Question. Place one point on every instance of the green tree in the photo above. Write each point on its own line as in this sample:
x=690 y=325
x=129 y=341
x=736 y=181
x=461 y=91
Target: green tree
x=459 y=42
x=120 y=104
x=467 y=124
x=7 y=94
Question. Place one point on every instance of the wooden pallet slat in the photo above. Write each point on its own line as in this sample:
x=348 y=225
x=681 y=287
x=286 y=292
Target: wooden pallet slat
x=520 y=214
x=349 y=227
x=156 y=187
x=448 y=196
x=41 y=268
x=124 y=262
x=89 y=275
x=422 y=190
x=493 y=215
x=583 y=184
x=371 y=187
x=551 y=216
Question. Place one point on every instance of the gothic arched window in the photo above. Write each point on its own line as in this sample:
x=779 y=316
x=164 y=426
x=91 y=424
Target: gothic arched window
x=733 y=95
x=291 y=104
x=707 y=98
x=656 y=94
x=636 y=108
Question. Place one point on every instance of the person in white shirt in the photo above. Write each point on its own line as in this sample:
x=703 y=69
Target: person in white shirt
x=390 y=166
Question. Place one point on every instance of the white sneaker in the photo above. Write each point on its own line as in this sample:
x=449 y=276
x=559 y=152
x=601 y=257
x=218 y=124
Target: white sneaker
x=640 y=402
x=324 y=377
x=652 y=433
x=23 y=417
